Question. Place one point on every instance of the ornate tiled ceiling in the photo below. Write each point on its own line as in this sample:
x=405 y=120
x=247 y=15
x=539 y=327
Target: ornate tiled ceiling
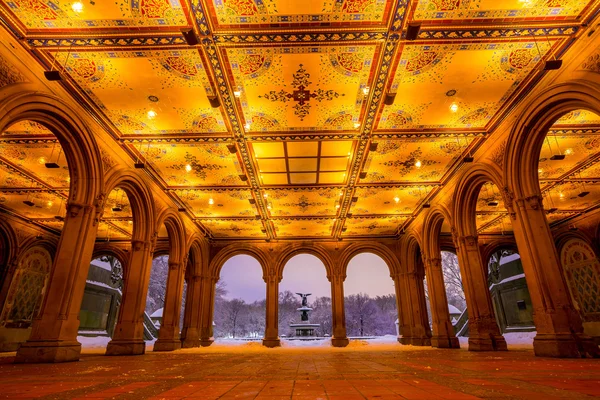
x=274 y=124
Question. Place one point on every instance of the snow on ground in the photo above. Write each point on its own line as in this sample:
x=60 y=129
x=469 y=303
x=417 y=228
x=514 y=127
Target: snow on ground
x=515 y=340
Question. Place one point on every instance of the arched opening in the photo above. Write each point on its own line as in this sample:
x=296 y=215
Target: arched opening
x=370 y=299
x=455 y=292
x=569 y=175
x=101 y=301
x=304 y=300
x=240 y=304
x=35 y=185
x=157 y=289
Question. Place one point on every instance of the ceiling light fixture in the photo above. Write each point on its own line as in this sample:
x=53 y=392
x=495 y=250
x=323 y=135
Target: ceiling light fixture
x=389 y=99
x=77 y=7
x=211 y=201
x=418 y=164
x=357 y=125
x=188 y=167
x=337 y=206
x=269 y=206
x=214 y=101
x=454 y=107
x=412 y=32
x=237 y=93
x=397 y=199
x=569 y=152
x=365 y=90
x=190 y=37
x=151 y=114
x=247 y=126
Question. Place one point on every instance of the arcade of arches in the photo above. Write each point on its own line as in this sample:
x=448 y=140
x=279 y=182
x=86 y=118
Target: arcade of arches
x=398 y=128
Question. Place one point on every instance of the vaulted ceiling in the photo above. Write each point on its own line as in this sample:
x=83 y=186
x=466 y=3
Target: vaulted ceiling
x=297 y=142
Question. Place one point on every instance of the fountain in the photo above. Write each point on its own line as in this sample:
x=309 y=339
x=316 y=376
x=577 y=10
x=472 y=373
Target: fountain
x=305 y=328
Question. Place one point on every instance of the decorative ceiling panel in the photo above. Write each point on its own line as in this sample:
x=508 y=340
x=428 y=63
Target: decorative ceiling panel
x=388 y=200
x=210 y=164
x=40 y=204
x=235 y=228
x=499 y=225
x=219 y=203
x=570 y=196
x=308 y=88
x=578 y=117
x=574 y=148
x=286 y=13
x=435 y=89
x=418 y=160
x=63 y=15
x=166 y=91
x=303 y=202
x=27 y=127
x=364 y=226
x=32 y=159
x=465 y=11
x=108 y=231
x=310 y=227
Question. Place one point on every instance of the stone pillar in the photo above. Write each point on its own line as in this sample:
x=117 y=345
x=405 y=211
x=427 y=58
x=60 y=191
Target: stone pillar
x=209 y=284
x=443 y=331
x=54 y=331
x=271 y=338
x=558 y=324
x=190 y=334
x=168 y=335
x=338 y=314
x=128 y=338
x=416 y=324
x=404 y=328
x=484 y=334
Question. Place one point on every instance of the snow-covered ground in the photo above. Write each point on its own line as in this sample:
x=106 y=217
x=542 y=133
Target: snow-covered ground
x=515 y=340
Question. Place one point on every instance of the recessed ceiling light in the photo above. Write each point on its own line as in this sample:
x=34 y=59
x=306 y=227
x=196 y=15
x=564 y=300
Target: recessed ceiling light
x=77 y=7
x=357 y=125
x=42 y=160
x=269 y=206
x=337 y=206
x=265 y=195
x=569 y=152
x=237 y=93
x=49 y=204
x=211 y=201
x=188 y=167
x=247 y=126
x=365 y=90
x=151 y=114
x=454 y=107
x=418 y=164
x=397 y=199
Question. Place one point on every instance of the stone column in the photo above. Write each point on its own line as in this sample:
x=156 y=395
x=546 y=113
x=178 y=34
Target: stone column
x=404 y=327
x=443 y=331
x=209 y=284
x=338 y=314
x=54 y=331
x=484 y=334
x=417 y=330
x=190 y=334
x=271 y=338
x=168 y=335
x=128 y=338
x=558 y=324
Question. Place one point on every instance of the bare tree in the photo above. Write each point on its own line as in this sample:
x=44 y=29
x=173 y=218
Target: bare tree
x=361 y=313
x=453 y=280
x=233 y=309
x=158 y=284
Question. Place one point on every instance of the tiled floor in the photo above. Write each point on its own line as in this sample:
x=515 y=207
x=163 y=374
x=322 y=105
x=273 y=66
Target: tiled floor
x=253 y=372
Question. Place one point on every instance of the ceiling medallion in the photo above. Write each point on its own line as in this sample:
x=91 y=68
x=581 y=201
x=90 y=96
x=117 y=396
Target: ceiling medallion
x=153 y=99
x=301 y=95
x=450 y=92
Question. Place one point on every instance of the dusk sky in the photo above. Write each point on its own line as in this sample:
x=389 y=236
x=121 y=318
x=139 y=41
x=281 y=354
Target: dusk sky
x=367 y=273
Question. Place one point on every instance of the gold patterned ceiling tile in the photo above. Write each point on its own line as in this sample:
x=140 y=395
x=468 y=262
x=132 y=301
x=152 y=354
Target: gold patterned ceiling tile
x=248 y=13
x=436 y=91
x=417 y=160
x=499 y=225
x=363 y=226
x=38 y=204
x=167 y=92
x=561 y=153
x=303 y=202
x=219 y=203
x=61 y=15
x=444 y=11
x=206 y=164
x=315 y=88
x=34 y=159
x=386 y=200
x=235 y=228
x=27 y=127
x=577 y=117
x=310 y=227
x=571 y=196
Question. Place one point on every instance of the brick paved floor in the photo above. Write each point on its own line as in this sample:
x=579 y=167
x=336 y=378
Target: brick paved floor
x=252 y=372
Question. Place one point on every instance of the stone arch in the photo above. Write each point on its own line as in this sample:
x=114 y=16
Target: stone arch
x=217 y=262
x=314 y=250
x=196 y=256
x=376 y=248
x=8 y=247
x=411 y=250
x=176 y=232
x=75 y=137
x=140 y=198
x=491 y=248
x=432 y=228
x=107 y=250
x=467 y=193
x=529 y=131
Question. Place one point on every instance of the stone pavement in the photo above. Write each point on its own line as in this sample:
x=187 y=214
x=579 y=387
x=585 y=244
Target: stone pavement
x=253 y=372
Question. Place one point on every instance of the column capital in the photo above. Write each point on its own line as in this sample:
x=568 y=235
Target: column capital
x=138 y=245
x=336 y=277
x=534 y=202
x=469 y=240
x=272 y=278
x=208 y=277
x=174 y=265
x=433 y=262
